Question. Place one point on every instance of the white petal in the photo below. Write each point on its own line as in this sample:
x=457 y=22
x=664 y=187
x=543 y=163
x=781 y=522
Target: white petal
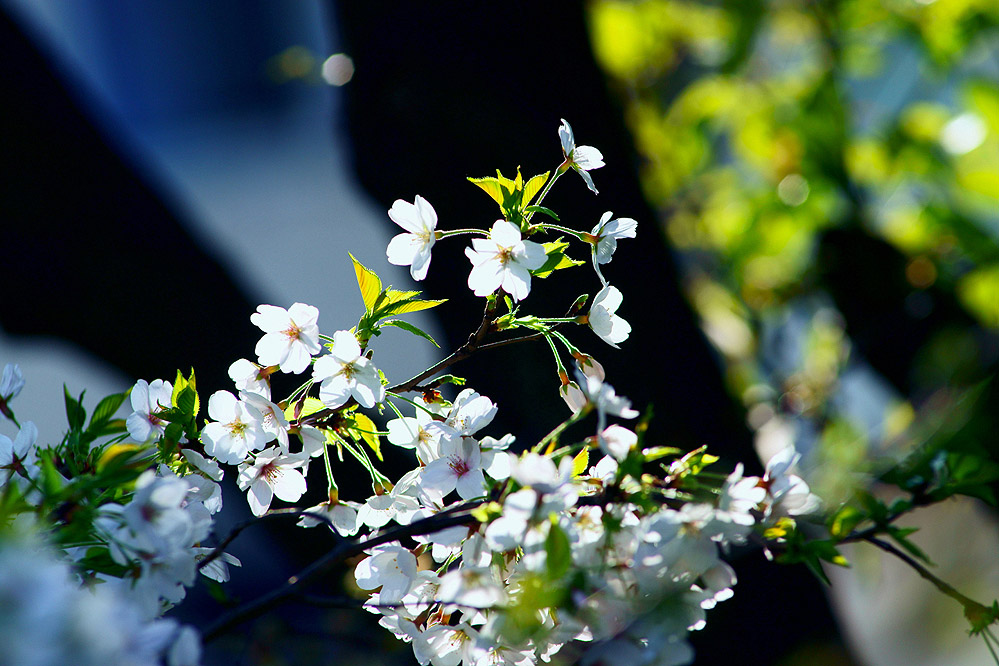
x=406 y=215
x=427 y=213
x=270 y=318
x=259 y=497
x=565 y=136
x=403 y=249
x=334 y=391
x=533 y=257
x=471 y=484
x=289 y=485
x=345 y=346
x=222 y=406
x=504 y=234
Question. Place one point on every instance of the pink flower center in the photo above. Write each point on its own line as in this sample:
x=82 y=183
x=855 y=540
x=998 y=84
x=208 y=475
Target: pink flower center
x=459 y=466
x=293 y=331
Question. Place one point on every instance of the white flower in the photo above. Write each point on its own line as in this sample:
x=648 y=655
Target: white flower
x=470 y=412
x=291 y=336
x=410 y=432
x=347 y=372
x=790 y=493
x=390 y=567
x=250 y=377
x=342 y=516
x=458 y=467
x=413 y=249
x=147 y=401
x=503 y=260
x=605 y=236
x=17 y=456
x=540 y=473
x=272 y=473
x=272 y=420
x=603 y=320
x=236 y=431
x=209 y=468
x=11 y=382
x=606 y=401
x=616 y=441
x=580 y=158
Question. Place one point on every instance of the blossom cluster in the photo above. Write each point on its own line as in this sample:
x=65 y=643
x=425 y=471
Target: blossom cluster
x=588 y=536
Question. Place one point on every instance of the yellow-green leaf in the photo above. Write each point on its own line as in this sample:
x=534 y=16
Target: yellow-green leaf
x=365 y=430
x=533 y=186
x=490 y=186
x=368 y=281
x=312 y=405
x=394 y=295
x=580 y=462
x=415 y=305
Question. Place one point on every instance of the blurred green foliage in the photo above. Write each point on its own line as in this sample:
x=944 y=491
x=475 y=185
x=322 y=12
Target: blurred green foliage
x=828 y=172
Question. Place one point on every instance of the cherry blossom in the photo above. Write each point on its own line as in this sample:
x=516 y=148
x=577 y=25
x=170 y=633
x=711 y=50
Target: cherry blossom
x=17 y=456
x=390 y=567
x=503 y=260
x=603 y=319
x=347 y=373
x=412 y=249
x=11 y=382
x=459 y=467
x=580 y=158
x=605 y=236
x=236 y=431
x=147 y=400
x=291 y=336
x=272 y=473
x=250 y=377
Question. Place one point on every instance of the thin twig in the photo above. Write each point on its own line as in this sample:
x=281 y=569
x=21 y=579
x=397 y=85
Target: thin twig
x=257 y=520
x=345 y=549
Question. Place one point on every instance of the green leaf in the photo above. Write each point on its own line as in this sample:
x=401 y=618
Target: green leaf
x=181 y=384
x=173 y=432
x=369 y=283
x=76 y=415
x=104 y=410
x=544 y=211
x=559 y=555
x=187 y=401
x=532 y=187
x=845 y=520
x=490 y=186
x=312 y=405
x=364 y=430
x=51 y=479
x=556 y=260
x=406 y=326
x=900 y=534
x=407 y=306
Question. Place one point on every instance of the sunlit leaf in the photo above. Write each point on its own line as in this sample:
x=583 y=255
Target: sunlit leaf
x=369 y=283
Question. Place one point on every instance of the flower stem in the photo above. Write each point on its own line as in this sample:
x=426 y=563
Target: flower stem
x=578 y=235
x=560 y=428
x=551 y=181
x=458 y=232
